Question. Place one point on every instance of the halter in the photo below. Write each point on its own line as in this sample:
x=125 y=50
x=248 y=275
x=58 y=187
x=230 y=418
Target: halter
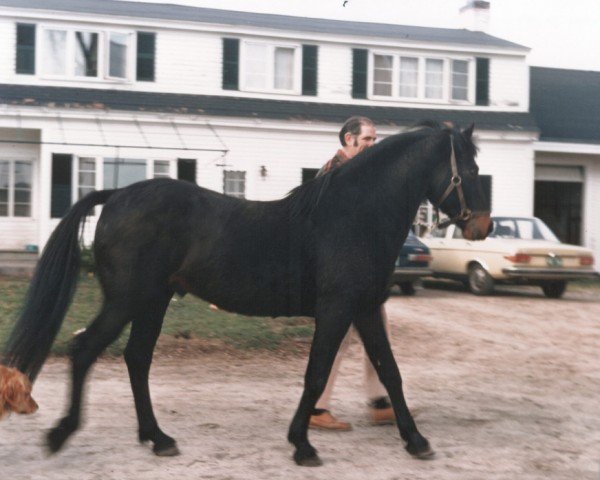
x=455 y=184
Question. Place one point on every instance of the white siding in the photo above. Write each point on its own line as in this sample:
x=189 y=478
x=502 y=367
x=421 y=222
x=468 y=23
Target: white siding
x=512 y=168
x=509 y=83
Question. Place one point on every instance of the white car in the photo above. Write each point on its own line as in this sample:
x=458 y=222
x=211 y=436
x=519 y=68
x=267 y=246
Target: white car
x=519 y=250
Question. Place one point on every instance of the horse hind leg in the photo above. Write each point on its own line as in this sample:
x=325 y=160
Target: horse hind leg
x=145 y=330
x=87 y=346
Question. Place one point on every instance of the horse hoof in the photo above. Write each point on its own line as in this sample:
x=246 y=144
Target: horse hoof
x=313 y=461
x=307 y=457
x=166 y=451
x=55 y=439
x=422 y=452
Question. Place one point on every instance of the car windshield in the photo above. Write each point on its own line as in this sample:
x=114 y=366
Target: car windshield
x=523 y=228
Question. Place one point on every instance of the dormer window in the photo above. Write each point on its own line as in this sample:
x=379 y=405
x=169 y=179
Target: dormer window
x=267 y=67
x=87 y=54
x=421 y=79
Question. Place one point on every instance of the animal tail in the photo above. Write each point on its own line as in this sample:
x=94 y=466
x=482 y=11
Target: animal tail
x=50 y=291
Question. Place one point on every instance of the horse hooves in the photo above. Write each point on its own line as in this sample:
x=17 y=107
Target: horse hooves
x=167 y=451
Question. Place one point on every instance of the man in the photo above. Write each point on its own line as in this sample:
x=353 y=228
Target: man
x=357 y=134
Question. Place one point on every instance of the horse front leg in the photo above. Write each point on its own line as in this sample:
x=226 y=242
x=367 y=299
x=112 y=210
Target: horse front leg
x=329 y=333
x=372 y=332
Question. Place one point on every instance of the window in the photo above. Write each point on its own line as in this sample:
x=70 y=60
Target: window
x=434 y=78
x=422 y=79
x=382 y=75
x=15 y=188
x=55 y=52
x=161 y=169
x=460 y=80
x=409 y=77
x=270 y=68
x=117 y=55
x=120 y=172
x=25 y=49
x=234 y=184
x=86 y=176
x=86 y=54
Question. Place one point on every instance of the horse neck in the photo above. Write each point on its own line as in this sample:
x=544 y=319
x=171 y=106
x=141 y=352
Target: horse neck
x=399 y=187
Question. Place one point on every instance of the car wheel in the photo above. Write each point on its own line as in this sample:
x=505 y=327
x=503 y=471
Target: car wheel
x=480 y=282
x=407 y=288
x=554 y=289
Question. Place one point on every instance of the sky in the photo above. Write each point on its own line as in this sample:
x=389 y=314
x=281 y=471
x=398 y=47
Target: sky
x=560 y=33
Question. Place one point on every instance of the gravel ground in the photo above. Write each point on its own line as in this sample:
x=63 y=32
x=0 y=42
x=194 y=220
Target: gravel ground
x=504 y=387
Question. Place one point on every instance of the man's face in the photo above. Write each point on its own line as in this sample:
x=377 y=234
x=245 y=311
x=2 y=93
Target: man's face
x=357 y=143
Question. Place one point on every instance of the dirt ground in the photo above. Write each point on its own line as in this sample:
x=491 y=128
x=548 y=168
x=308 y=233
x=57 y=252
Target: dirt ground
x=504 y=387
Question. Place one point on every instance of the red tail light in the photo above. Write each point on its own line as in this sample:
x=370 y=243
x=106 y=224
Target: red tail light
x=420 y=257
x=586 y=261
x=519 y=258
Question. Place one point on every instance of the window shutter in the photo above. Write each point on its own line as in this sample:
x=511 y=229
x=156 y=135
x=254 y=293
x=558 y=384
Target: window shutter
x=482 y=87
x=186 y=170
x=486 y=185
x=60 y=194
x=309 y=69
x=146 y=54
x=231 y=61
x=25 y=49
x=359 y=73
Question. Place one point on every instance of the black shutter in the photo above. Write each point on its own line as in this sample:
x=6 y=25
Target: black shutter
x=482 y=86
x=186 y=170
x=231 y=61
x=60 y=195
x=486 y=185
x=359 y=73
x=146 y=54
x=309 y=69
x=25 y=49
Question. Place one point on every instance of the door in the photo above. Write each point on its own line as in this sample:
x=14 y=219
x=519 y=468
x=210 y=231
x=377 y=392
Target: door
x=559 y=205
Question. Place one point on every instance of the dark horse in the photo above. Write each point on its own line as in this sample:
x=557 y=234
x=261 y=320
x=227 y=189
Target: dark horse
x=327 y=251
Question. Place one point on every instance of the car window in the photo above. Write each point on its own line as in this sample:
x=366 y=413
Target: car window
x=523 y=228
x=457 y=233
x=438 y=233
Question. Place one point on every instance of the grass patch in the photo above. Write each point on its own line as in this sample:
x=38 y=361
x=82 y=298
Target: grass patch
x=186 y=317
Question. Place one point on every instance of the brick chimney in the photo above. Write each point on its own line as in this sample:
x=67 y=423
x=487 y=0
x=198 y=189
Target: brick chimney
x=475 y=15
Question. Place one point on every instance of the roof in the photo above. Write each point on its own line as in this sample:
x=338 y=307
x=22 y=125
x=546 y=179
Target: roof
x=245 y=107
x=158 y=11
x=566 y=104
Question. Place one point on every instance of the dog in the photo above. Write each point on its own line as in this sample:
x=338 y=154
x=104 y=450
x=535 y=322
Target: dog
x=15 y=392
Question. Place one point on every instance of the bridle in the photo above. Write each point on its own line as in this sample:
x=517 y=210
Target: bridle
x=455 y=184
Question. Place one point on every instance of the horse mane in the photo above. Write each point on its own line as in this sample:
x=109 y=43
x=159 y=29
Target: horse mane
x=305 y=198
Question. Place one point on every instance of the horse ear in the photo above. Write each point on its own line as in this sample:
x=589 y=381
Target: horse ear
x=468 y=132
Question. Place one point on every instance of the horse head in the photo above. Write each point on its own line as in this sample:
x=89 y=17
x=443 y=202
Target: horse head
x=455 y=187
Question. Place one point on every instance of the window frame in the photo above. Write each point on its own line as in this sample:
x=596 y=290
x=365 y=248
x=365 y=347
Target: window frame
x=229 y=181
x=103 y=54
x=447 y=77
x=270 y=67
x=12 y=188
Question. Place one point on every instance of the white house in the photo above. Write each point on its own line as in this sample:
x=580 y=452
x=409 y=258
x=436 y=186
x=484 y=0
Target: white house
x=101 y=94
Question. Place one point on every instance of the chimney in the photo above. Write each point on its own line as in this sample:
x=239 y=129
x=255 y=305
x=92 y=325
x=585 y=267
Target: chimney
x=475 y=15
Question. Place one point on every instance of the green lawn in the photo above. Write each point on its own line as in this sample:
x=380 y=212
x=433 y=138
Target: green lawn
x=187 y=317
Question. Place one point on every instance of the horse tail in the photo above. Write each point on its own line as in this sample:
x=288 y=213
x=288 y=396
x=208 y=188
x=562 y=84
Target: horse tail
x=50 y=291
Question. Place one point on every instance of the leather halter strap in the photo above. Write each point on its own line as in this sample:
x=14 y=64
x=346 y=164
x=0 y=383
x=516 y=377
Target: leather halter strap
x=455 y=184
